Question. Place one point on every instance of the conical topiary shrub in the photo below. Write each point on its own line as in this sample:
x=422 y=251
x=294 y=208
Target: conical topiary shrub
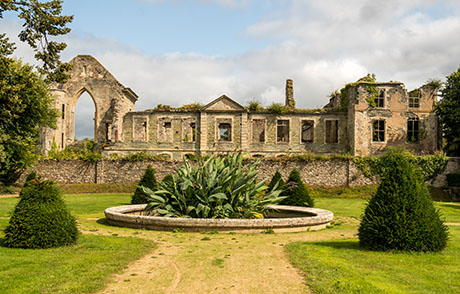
x=277 y=179
x=401 y=215
x=40 y=219
x=148 y=180
x=296 y=192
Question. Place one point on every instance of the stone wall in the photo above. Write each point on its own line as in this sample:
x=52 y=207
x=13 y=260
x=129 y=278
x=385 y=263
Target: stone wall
x=331 y=173
x=319 y=173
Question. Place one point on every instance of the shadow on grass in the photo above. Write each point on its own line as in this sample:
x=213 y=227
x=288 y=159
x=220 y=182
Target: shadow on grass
x=104 y=222
x=450 y=205
x=343 y=245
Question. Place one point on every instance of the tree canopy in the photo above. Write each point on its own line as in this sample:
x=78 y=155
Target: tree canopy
x=25 y=107
x=448 y=110
x=41 y=20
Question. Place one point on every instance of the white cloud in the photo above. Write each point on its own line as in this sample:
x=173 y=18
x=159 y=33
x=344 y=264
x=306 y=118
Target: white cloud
x=321 y=45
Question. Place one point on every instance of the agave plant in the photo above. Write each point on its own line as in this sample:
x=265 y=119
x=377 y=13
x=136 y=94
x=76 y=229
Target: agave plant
x=218 y=187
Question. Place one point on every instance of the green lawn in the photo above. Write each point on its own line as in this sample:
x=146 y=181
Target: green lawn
x=83 y=268
x=341 y=266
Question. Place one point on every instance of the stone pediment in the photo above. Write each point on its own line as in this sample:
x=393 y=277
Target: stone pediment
x=223 y=103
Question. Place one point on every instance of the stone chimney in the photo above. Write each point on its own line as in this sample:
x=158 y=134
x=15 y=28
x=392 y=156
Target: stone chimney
x=290 y=102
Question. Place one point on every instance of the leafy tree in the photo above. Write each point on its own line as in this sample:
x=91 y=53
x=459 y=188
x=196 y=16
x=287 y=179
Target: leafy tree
x=148 y=180
x=448 y=110
x=41 y=20
x=25 y=107
x=40 y=219
x=25 y=104
x=296 y=192
x=401 y=215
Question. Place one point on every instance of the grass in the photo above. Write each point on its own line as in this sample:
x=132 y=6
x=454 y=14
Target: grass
x=332 y=264
x=341 y=266
x=83 y=268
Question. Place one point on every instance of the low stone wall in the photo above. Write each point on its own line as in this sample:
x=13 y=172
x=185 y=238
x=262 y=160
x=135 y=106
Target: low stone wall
x=333 y=173
x=318 y=173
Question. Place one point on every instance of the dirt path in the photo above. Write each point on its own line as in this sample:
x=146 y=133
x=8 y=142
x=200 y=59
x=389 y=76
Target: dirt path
x=216 y=263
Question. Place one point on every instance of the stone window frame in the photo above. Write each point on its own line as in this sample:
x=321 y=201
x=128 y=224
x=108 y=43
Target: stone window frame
x=289 y=130
x=300 y=129
x=414 y=130
x=380 y=97
x=325 y=130
x=146 y=117
x=160 y=126
x=265 y=129
x=191 y=119
x=217 y=132
x=379 y=131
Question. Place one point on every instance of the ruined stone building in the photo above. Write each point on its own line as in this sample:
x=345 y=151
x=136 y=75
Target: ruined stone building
x=363 y=119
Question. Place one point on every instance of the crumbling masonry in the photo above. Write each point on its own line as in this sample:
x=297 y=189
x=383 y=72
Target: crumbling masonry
x=362 y=122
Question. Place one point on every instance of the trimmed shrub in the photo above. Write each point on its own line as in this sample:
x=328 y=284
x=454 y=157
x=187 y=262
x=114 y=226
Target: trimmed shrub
x=40 y=219
x=296 y=192
x=277 y=179
x=148 y=180
x=401 y=215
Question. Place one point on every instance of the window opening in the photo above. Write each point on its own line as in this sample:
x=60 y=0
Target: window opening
x=414 y=99
x=225 y=132
x=258 y=131
x=413 y=131
x=380 y=99
x=378 y=130
x=307 y=131
x=332 y=131
x=283 y=131
x=63 y=111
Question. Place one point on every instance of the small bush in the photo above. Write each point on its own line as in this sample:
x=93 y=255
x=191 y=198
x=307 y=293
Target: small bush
x=453 y=180
x=255 y=106
x=277 y=179
x=148 y=180
x=40 y=219
x=401 y=215
x=277 y=108
x=296 y=192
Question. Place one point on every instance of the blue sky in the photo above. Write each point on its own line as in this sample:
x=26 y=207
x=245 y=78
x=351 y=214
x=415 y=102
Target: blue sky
x=182 y=51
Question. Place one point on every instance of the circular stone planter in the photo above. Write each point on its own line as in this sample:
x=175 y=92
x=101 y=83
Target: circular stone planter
x=282 y=219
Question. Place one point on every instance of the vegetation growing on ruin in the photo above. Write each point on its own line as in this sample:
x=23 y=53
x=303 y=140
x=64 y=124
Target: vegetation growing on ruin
x=255 y=105
x=278 y=108
x=84 y=150
x=219 y=187
x=429 y=165
x=434 y=83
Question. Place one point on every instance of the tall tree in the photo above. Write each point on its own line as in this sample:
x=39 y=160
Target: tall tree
x=42 y=19
x=25 y=107
x=448 y=110
x=25 y=103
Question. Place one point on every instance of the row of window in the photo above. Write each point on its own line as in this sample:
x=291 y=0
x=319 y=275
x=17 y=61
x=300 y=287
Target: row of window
x=283 y=130
x=224 y=130
x=414 y=100
x=413 y=130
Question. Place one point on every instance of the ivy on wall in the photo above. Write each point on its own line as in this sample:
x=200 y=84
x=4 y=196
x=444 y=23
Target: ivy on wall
x=429 y=165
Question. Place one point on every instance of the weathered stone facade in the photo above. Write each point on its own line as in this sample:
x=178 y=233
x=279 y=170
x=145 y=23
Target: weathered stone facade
x=111 y=99
x=362 y=123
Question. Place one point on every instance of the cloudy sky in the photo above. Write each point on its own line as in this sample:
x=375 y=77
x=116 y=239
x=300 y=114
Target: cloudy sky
x=183 y=51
